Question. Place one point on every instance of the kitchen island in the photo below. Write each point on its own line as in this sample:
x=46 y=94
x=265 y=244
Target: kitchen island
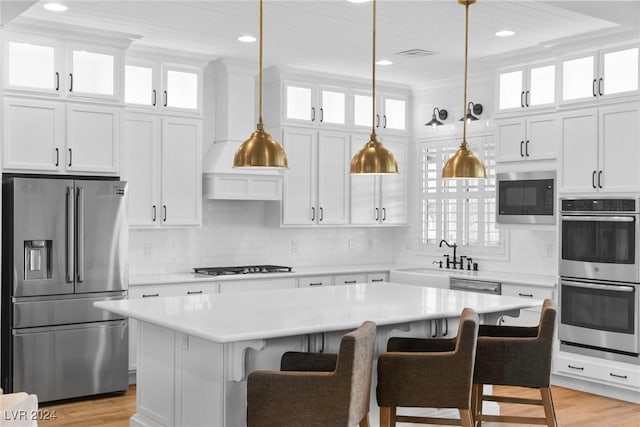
x=195 y=352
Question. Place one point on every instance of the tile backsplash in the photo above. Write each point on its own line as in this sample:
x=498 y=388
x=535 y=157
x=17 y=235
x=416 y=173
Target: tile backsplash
x=246 y=232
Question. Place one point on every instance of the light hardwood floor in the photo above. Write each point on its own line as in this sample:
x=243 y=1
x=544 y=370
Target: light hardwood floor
x=573 y=408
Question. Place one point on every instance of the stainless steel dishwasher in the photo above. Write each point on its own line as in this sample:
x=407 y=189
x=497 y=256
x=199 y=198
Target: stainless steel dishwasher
x=474 y=285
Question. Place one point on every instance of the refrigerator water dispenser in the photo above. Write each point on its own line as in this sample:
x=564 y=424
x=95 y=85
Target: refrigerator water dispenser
x=37 y=259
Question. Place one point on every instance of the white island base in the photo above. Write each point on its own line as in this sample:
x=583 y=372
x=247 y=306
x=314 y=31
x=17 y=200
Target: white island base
x=195 y=352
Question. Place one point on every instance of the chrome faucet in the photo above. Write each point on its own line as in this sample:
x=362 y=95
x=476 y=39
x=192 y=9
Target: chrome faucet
x=453 y=262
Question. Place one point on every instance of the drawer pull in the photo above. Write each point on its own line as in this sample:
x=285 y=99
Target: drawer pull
x=193 y=292
x=624 y=377
x=349 y=282
x=150 y=295
x=377 y=280
x=520 y=294
x=579 y=368
x=315 y=284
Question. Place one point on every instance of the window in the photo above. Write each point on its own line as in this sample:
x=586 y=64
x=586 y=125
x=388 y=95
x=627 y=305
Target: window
x=459 y=210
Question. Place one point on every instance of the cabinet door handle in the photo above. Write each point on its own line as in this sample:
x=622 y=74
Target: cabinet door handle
x=194 y=292
x=593 y=88
x=577 y=368
x=321 y=115
x=377 y=120
x=166 y=98
x=377 y=280
x=313 y=213
x=446 y=328
x=70 y=82
x=164 y=217
x=522 y=99
x=526 y=148
x=384 y=214
x=321 y=214
x=521 y=144
x=520 y=294
x=526 y=98
x=150 y=295
x=70 y=157
x=57 y=81
x=313 y=114
x=349 y=282
x=611 y=374
x=599 y=179
x=384 y=121
x=600 y=84
x=153 y=97
x=593 y=179
x=377 y=214
x=435 y=329
x=57 y=156
x=315 y=284
x=153 y=218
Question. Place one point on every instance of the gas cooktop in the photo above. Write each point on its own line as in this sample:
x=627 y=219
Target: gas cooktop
x=246 y=269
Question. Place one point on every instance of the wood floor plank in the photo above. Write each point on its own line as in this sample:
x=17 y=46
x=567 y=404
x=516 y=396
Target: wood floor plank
x=573 y=409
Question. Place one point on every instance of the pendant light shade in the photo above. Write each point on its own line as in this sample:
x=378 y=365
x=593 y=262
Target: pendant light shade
x=464 y=164
x=374 y=158
x=260 y=150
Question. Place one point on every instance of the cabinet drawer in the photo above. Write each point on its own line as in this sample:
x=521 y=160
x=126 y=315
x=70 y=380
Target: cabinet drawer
x=172 y=290
x=377 y=277
x=256 y=285
x=305 y=282
x=603 y=371
x=349 y=279
x=526 y=291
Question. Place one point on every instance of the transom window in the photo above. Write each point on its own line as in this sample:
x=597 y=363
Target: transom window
x=459 y=210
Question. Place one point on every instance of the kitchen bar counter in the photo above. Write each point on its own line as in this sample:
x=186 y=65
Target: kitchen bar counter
x=195 y=352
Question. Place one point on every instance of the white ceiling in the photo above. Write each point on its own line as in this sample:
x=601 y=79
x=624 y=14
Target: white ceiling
x=334 y=36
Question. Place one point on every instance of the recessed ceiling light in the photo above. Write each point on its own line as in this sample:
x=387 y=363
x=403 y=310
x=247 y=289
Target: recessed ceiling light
x=358 y=1
x=505 y=33
x=247 y=39
x=55 y=7
x=384 y=62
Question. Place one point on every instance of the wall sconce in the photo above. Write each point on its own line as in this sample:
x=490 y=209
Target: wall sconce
x=476 y=109
x=442 y=114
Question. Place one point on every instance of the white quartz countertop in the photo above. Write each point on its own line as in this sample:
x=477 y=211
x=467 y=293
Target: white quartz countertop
x=266 y=314
x=490 y=276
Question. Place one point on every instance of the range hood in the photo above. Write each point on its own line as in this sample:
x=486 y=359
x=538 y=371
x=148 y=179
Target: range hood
x=230 y=118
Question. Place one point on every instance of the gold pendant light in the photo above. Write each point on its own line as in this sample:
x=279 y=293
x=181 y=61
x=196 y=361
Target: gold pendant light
x=464 y=164
x=260 y=150
x=374 y=158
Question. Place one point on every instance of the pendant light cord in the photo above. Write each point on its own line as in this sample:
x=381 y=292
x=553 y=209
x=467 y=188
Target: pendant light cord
x=373 y=78
x=260 y=125
x=466 y=51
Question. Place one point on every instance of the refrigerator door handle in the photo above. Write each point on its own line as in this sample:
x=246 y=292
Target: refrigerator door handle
x=80 y=233
x=70 y=235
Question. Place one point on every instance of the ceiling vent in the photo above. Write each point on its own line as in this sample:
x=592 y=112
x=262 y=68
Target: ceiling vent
x=415 y=53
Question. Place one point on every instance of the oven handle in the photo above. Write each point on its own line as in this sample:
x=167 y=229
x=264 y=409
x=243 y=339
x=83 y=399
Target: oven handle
x=618 y=288
x=599 y=218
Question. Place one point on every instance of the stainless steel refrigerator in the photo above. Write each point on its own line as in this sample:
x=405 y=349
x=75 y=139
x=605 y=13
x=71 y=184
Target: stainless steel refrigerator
x=64 y=246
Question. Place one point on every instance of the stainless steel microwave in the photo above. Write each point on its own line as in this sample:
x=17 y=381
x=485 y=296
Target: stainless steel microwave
x=526 y=197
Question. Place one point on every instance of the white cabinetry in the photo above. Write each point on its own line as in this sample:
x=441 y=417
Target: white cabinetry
x=256 y=285
x=163 y=87
x=600 y=371
x=391 y=111
x=600 y=149
x=380 y=276
x=534 y=137
x=164 y=170
x=42 y=135
x=600 y=75
x=527 y=87
x=310 y=281
x=315 y=189
x=59 y=68
x=530 y=316
x=349 y=279
x=314 y=105
x=380 y=199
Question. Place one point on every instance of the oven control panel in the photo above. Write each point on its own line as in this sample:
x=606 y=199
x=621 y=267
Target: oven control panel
x=599 y=205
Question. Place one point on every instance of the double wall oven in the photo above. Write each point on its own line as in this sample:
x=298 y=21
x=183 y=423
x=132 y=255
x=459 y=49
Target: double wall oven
x=600 y=277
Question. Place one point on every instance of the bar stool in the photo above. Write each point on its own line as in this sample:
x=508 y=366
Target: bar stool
x=516 y=356
x=316 y=389
x=428 y=373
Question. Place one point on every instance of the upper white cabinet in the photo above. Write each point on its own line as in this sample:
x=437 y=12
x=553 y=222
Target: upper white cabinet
x=315 y=187
x=164 y=169
x=390 y=114
x=380 y=199
x=314 y=105
x=599 y=75
x=163 y=87
x=527 y=88
x=68 y=138
x=534 y=137
x=600 y=149
x=63 y=69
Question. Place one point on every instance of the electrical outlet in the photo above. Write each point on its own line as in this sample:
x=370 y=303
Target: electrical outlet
x=294 y=247
x=147 y=249
x=351 y=244
x=549 y=250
